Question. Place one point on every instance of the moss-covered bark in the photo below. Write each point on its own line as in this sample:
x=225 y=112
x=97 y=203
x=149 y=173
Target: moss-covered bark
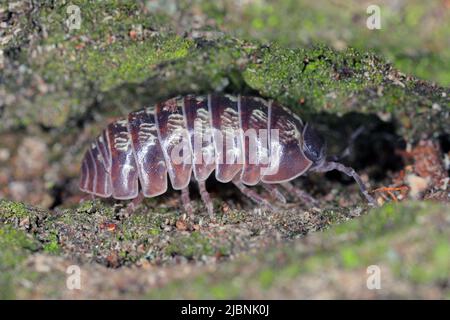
x=119 y=45
x=408 y=242
x=60 y=87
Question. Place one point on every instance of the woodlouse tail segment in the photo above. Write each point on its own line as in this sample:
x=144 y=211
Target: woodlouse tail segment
x=94 y=176
x=124 y=175
x=330 y=165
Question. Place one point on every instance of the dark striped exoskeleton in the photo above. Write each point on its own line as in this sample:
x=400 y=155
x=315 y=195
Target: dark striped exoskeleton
x=244 y=140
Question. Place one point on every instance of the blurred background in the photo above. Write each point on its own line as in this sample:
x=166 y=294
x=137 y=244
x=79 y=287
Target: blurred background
x=414 y=34
x=59 y=85
x=68 y=68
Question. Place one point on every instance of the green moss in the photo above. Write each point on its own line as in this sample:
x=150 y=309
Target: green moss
x=412 y=37
x=222 y=291
x=409 y=239
x=401 y=237
x=266 y=278
x=52 y=245
x=72 y=66
x=98 y=19
x=434 y=265
x=441 y=257
x=154 y=231
x=15 y=246
x=319 y=78
x=132 y=62
x=190 y=246
x=103 y=60
x=316 y=262
x=350 y=258
x=11 y=209
x=382 y=221
x=88 y=207
x=291 y=271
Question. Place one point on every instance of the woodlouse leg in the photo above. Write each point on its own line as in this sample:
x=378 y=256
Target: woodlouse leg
x=206 y=198
x=300 y=194
x=328 y=166
x=186 y=200
x=253 y=195
x=131 y=207
x=274 y=192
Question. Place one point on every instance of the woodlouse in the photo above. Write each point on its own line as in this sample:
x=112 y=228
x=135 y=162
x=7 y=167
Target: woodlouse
x=132 y=157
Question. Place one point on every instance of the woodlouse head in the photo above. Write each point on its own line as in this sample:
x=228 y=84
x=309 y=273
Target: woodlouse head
x=314 y=145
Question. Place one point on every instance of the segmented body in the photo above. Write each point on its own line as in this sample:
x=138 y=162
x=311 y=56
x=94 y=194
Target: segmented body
x=137 y=154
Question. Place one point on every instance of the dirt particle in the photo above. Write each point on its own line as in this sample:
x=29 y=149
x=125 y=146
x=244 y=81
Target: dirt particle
x=181 y=225
x=417 y=185
x=111 y=227
x=133 y=34
x=113 y=260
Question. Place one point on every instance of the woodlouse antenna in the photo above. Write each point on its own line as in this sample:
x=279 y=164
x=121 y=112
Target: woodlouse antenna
x=331 y=165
